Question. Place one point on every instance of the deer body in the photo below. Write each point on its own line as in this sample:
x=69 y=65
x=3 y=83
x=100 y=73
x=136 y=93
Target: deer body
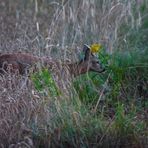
x=22 y=62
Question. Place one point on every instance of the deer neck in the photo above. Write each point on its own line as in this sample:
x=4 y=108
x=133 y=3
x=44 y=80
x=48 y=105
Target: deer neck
x=78 y=68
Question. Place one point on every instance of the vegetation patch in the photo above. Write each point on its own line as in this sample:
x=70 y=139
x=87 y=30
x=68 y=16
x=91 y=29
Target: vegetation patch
x=102 y=110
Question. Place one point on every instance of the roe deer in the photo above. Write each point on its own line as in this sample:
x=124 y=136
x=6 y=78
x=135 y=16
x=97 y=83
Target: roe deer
x=22 y=62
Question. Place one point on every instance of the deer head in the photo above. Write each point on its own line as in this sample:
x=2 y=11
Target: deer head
x=89 y=63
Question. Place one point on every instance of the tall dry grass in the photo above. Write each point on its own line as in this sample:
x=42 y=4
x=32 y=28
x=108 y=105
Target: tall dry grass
x=43 y=25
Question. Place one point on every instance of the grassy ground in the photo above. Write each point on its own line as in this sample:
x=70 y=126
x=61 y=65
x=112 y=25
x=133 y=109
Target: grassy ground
x=105 y=110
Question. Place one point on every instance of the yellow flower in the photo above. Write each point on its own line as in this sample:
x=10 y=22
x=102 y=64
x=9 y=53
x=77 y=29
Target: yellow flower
x=95 y=48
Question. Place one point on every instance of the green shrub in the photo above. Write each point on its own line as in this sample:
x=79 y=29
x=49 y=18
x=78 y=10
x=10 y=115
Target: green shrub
x=43 y=81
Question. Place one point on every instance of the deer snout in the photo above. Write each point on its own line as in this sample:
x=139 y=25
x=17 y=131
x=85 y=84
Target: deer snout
x=103 y=69
x=97 y=67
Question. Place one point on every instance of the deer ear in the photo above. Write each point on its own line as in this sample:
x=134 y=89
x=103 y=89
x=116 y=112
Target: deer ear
x=87 y=52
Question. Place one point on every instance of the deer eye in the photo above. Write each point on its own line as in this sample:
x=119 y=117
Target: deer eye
x=97 y=62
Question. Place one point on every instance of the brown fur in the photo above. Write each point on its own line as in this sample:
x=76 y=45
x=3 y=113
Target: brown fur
x=23 y=62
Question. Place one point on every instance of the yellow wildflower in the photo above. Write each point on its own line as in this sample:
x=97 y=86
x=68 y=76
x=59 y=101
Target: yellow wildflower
x=95 y=48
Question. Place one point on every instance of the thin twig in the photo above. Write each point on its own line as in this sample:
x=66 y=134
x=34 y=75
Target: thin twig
x=101 y=94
